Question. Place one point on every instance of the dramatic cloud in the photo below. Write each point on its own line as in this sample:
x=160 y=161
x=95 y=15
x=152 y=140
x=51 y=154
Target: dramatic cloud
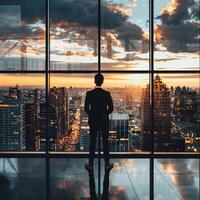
x=79 y=14
x=82 y=12
x=69 y=19
x=30 y=11
x=177 y=13
x=179 y=22
x=130 y=31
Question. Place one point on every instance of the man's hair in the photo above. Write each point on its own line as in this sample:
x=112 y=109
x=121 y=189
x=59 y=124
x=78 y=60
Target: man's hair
x=99 y=79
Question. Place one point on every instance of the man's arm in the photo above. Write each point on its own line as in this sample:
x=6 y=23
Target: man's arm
x=110 y=104
x=87 y=104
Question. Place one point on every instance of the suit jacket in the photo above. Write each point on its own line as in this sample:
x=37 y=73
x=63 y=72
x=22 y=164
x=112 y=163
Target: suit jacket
x=98 y=106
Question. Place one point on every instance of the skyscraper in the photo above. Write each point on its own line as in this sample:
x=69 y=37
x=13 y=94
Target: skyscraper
x=59 y=101
x=185 y=104
x=14 y=92
x=146 y=119
x=30 y=126
x=52 y=124
x=119 y=132
x=84 y=131
x=162 y=117
x=12 y=127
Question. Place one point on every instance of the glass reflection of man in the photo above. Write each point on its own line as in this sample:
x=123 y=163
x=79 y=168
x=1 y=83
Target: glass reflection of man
x=98 y=106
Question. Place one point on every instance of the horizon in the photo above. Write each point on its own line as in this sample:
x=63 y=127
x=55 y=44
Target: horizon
x=87 y=80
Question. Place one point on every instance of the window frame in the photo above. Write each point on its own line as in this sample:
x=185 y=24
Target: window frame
x=47 y=72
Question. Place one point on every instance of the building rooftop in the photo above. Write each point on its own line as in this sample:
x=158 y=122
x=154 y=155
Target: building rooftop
x=119 y=116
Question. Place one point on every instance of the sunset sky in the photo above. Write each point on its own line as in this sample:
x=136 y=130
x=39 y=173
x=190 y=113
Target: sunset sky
x=73 y=36
x=83 y=80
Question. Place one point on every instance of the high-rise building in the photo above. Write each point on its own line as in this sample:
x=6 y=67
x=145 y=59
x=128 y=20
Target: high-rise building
x=119 y=132
x=145 y=113
x=52 y=127
x=84 y=131
x=162 y=117
x=59 y=101
x=12 y=127
x=30 y=126
x=185 y=104
x=14 y=92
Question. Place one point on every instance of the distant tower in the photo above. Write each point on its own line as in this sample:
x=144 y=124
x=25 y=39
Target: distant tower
x=14 y=92
x=146 y=119
x=162 y=113
x=12 y=127
x=84 y=131
x=119 y=132
x=52 y=127
x=30 y=126
x=59 y=100
x=162 y=116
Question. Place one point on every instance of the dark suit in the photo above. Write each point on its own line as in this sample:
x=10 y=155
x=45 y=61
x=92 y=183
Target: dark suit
x=98 y=106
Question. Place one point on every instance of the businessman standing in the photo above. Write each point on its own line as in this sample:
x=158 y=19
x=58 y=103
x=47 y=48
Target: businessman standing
x=98 y=106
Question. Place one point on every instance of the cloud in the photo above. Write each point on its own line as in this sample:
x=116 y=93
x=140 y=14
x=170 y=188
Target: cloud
x=30 y=11
x=130 y=31
x=177 y=13
x=17 y=19
x=186 y=32
x=85 y=13
x=82 y=12
x=179 y=22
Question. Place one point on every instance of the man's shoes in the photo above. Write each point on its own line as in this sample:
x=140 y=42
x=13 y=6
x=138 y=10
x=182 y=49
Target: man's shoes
x=108 y=167
x=88 y=167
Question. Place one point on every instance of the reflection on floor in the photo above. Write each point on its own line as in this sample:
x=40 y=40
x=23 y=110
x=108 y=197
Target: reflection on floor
x=24 y=179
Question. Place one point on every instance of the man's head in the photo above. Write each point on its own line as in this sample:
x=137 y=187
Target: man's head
x=98 y=79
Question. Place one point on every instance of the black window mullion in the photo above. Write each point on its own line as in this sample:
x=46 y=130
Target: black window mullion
x=99 y=35
x=99 y=71
x=151 y=90
x=47 y=61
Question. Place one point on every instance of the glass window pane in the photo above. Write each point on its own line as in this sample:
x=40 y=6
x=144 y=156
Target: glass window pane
x=22 y=125
x=22 y=35
x=22 y=178
x=68 y=121
x=176 y=179
x=69 y=129
x=70 y=180
x=176 y=112
x=74 y=39
x=125 y=35
x=176 y=35
x=129 y=179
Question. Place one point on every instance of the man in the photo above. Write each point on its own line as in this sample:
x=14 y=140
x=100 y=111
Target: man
x=98 y=106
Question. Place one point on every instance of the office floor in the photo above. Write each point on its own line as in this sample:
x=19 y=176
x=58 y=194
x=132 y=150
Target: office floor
x=176 y=179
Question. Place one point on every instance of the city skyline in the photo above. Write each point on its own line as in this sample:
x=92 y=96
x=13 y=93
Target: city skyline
x=154 y=84
x=176 y=116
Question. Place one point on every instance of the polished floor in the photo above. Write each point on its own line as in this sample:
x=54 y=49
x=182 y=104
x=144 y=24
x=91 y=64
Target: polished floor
x=24 y=179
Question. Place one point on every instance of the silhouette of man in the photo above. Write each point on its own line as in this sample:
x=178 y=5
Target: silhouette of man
x=98 y=106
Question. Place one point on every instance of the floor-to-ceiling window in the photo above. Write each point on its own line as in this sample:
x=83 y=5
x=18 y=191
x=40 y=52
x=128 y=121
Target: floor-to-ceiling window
x=148 y=52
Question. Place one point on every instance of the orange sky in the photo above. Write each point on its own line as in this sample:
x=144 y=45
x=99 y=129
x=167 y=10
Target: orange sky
x=82 y=80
